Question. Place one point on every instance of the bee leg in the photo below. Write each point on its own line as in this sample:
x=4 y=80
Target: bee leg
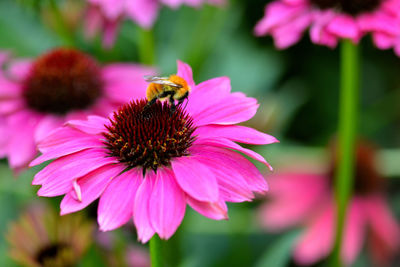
x=173 y=106
x=151 y=102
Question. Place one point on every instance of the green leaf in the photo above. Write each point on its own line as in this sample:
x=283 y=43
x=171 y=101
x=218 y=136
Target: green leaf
x=22 y=32
x=279 y=252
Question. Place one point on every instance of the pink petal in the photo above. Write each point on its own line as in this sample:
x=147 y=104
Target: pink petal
x=144 y=12
x=232 y=109
x=383 y=41
x=318 y=32
x=46 y=126
x=239 y=168
x=110 y=32
x=293 y=198
x=21 y=146
x=92 y=186
x=225 y=143
x=344 y=26
x=199 y=97
x=64 y=141
x=93 y=21
x=60 y=137
x=291 y=32
x=195 y=178
x=111 y=9
x=141 y=216
x=382 y=221
x=236 y=133
x=185 y=71
x=19 y=69
x=12 y=105
x=378 y=22
x=4 y=56
x=216 y=211
x=317 y=241
x=62 y=171
x=93 y=124
x=117 y=201
x=276 y=14
x=9 y=89
x=167 y=204
x=240 y=164
x=125 y=82
x=355 y=229
x=232 y=185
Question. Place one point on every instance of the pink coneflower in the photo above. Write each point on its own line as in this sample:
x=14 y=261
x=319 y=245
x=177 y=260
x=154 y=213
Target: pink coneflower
x=106 y=15
x=41 y=238
x=306 y=198
x=330 y=21
x=39 y=96
x=157 y=160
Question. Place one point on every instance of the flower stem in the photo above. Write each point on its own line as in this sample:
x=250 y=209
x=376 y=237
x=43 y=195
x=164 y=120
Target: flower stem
x=155 y=251
x=348 y=121
x=61 y=27
x=146 y=47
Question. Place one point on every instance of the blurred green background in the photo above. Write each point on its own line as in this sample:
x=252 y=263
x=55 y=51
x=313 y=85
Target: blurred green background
x=297 y=90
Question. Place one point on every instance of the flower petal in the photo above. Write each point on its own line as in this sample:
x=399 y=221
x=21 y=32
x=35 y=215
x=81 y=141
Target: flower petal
x=93 y=124
x=317 y=241
x=144 y=12
x=382 y=221
x=293 y=198
x=232 y=109
x=124 y=82
x=221 y=142
x=141 y=216
x=9 y=89
x=117 y=201
x=239 y=164
x=92 y=186
x=195 y=178
x=62 y=171
x=167 y=204
x=19 y=69
x=199 y=97
x=21 y=146
x=185 y=71
x=235 y=133
x=46 y=126
x=216 y=211
x=354 y=232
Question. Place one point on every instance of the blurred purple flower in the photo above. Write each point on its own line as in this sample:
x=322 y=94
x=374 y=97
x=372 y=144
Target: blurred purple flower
x=37 y=96
x=106 y=15
x=329 y=21
x=149 y=163
x=307 y=198
x=41 y=238
x=137 y=257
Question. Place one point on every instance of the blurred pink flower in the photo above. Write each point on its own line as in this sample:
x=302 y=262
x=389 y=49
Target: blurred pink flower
x=330 y=21
x=37 y=96
x=150 y=163
x=303 y=198
x=106 y=15
x=137 y=257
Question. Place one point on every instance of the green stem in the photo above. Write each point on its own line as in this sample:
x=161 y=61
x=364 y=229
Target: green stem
x=348 y=121
x=61 y=27
x=155 y=251
x=146 y=47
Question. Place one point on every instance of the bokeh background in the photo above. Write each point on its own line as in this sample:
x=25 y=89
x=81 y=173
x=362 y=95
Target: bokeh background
x=298 y=94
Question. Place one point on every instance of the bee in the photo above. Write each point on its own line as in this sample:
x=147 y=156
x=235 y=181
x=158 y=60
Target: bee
x=173 y=88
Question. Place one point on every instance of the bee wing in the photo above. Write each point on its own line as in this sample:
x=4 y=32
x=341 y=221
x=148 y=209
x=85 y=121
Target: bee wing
x=152 y=78
x=160 y=80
